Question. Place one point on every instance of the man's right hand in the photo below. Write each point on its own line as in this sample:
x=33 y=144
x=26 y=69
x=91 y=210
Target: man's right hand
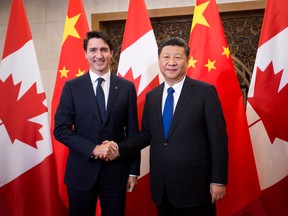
x=108 y=151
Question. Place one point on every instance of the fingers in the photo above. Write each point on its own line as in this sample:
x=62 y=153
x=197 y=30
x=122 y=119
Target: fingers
x=113 y=151
x=108 y=151
x=217 y=192
x=131 y=184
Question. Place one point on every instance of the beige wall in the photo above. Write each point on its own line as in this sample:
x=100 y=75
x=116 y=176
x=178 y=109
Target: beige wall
x=47 y=17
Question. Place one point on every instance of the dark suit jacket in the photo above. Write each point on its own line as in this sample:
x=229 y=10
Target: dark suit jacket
x=78 y=126
x=194 y=154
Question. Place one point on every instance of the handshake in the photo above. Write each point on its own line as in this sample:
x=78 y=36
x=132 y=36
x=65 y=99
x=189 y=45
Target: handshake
x=107 y=151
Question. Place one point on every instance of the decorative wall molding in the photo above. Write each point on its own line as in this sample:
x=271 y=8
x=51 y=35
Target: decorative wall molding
x=99 y=18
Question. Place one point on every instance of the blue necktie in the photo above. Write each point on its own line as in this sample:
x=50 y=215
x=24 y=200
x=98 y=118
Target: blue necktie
x=100 y=98
x=168 y=111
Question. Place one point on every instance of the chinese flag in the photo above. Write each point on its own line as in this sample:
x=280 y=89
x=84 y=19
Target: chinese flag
x=72 y=63
x=210 y=61
x=267 y=109
x=138 y=63
x=28 y=183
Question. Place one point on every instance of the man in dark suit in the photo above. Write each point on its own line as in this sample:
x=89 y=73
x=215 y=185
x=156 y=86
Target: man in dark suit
x=189 y=159
x=83 y=121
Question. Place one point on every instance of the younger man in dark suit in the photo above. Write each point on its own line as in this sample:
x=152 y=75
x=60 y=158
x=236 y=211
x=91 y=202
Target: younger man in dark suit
x=95 y=107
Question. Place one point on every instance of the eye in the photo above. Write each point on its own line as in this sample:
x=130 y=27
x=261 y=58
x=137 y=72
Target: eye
x=104 y=50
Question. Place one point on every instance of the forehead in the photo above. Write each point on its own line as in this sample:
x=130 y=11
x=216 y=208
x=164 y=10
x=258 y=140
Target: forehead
x=173 y=50
x=97 y=42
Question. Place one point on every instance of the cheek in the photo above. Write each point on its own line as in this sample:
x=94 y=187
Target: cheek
x=89 y=56
x=108 y=58
x=161 y=65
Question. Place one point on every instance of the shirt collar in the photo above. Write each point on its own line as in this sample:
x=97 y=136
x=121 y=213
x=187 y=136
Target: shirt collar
x=94 y=77
x=177 y=87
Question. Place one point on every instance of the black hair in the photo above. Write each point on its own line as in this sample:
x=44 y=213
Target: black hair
x=97 y=34
x=173 y=41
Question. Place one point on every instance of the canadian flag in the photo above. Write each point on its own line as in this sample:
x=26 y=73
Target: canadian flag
x=28 y=183
x=139 y=64
x=267 y=109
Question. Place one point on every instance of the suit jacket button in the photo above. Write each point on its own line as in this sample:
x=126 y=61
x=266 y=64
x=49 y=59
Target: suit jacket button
x=165 y=144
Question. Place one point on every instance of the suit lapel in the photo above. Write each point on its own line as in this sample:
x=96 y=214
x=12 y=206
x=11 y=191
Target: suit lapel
x=184 y=98
x=113 y=93
x=158 y=108
x=88 y=92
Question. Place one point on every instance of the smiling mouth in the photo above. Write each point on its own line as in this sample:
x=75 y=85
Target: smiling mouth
x=98 y=62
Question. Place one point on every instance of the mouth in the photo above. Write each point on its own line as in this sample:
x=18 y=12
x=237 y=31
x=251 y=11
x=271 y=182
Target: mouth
x=98 y=62
x=171 y=70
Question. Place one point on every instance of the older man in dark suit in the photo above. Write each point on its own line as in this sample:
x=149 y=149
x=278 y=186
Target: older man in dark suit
x=184 y=125
x=95 y=107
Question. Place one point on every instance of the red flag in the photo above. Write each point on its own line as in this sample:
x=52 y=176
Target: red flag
x=210 y=61
x=72 y=63
x=267 y=109
x=138 y=63
x=28 y=184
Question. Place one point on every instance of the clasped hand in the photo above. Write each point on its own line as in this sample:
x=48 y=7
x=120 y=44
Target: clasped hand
x=107 y=150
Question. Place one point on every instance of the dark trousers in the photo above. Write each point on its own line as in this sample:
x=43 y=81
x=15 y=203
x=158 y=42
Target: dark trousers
x=167 y=209
x=112 y=201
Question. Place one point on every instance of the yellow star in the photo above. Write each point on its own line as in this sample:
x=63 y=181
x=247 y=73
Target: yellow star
x=69 y=28
x=210 y=65
x=198 y=17
x=192 y=62
x=80 y=73
x=64 y=72
x=226 y=52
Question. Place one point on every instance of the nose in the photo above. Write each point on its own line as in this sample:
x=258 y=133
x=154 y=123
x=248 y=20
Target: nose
x=172 y=61
x=99 y=54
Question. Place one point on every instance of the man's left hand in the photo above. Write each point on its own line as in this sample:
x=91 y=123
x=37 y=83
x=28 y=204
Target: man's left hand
x=217 y=192
x=131 y=184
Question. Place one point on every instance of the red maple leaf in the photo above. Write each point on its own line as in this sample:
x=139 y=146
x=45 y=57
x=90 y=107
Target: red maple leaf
x=129 y=76
x=141 y=97
x=270 y=104
x=15 y=113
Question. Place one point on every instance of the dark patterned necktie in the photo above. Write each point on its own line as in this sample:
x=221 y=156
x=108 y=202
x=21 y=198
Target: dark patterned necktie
x=100 y=98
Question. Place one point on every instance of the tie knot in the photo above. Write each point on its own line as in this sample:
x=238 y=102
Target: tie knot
x=100 y=80
x=170 y=90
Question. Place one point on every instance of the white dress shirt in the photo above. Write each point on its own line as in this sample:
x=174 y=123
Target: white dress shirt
x=177 y=88
x=105 y=84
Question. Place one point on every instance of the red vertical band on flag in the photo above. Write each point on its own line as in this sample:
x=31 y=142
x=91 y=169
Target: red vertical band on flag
x=210 y=61
x=11 y=45
x=137 y=23
x=278 y=10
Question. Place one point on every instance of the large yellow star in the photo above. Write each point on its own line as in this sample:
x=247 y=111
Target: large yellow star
x=226 y=52
x=192 y=62
x=198 y=17
x=80 y=73
x=64 y=72
x=210 y=65
x=69 y=28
